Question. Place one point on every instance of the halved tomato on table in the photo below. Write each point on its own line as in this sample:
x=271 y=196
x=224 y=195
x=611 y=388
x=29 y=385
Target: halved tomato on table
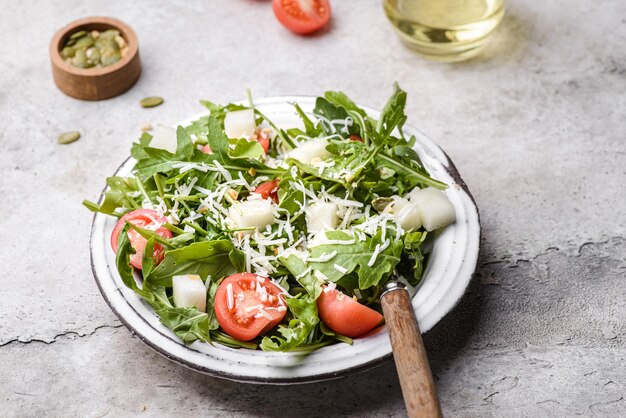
x=345 y=315
x=146 y=219
x=268 y=189
x=247 y=305
x=302 y=16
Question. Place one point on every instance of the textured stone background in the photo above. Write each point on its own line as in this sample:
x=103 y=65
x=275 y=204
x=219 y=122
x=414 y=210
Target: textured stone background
x=537 y=127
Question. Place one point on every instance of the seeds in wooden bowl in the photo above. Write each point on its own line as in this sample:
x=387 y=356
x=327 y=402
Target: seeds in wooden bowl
x=94 y=49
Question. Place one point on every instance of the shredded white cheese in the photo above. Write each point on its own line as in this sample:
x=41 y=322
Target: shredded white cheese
x=340 y=269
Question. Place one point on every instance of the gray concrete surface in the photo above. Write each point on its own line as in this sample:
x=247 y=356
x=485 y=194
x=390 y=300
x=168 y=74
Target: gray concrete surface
x=536 y=125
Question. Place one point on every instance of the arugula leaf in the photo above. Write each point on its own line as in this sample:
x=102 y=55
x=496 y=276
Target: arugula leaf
x=198 y=127
x=356 y=257
x=203 y=258
x=122 y=262
x=304 y=310
x=309 y=127
x=117 y=196
x=392 y=115
x=307 y=280
x=218 y=112
x=238 y=260
x=244 y=148
x=157 y=161
x=327 y=113
x=136 y=149
x=189 y=324
x=147 y=258
x=339 y=98
x=218 y=141
x=413 y=245
x=210 y=304
x=184 y=145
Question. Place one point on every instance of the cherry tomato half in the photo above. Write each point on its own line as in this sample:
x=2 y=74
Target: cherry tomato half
x=263 y=138
x=247 y=305
x=143 y=218
x=302 y=16
x=345 y=315
x=268 y=189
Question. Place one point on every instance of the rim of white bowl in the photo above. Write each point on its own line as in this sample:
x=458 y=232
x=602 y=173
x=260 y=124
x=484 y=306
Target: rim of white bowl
x=445 y=280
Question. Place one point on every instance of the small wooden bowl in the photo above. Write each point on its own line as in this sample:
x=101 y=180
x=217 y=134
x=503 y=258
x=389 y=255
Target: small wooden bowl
x=95 y=83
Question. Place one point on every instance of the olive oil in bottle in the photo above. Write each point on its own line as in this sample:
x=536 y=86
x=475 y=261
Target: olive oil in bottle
x=445 y=30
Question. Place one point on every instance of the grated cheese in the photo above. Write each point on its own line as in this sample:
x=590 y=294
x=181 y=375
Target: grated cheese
x=229 y=296
x=330 y=287
x=340 y=269
x=322 y=258
x=374 y=256
x=222 y=171
x=304 y=273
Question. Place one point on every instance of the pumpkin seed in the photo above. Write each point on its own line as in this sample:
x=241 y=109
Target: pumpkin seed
x=80 y=58
x=68 y=52
x=109 y=34
x=78 y=34
x=95 y=56
x=109 y=57
x=120 y=41
x=68 y=137
x=152 y=101
x=84 y=42
x=113 y=45
x=381 y=203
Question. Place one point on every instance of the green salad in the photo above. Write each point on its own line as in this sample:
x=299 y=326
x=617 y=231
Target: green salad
x=244 y=233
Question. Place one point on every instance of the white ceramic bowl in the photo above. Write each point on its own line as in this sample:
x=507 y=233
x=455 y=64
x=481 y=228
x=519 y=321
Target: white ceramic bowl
x=450 y=268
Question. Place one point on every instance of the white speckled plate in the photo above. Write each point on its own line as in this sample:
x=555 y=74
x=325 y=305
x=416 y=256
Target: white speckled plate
x=451 y=266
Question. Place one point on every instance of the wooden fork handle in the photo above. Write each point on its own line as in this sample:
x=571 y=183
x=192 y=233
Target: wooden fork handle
x=416 y=379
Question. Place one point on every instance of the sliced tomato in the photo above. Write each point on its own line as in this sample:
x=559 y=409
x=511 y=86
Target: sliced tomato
x=268 y=189
x=302 y=16
x=345 y=315
x=355 y=138
x=263 y=139
x=207 y=149
x=146 y=219
x=247 y=305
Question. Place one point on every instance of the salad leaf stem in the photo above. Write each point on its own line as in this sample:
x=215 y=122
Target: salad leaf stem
x=144 y=193
x=147 y=234
x=173 y=228
x=159 y=186
x=196 y=227
x=429 y=181
x=268 y=171
x=229 y=341
x=94 y=207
